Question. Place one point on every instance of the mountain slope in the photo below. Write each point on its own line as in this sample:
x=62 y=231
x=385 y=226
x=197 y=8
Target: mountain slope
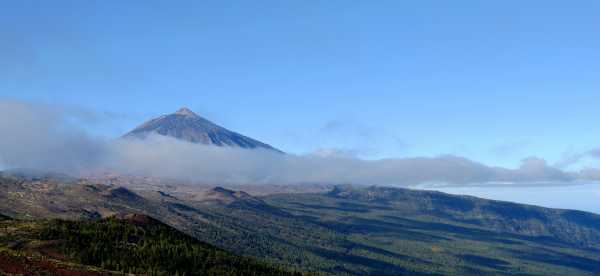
x=347 y=231
x=380 y=230
x=500 y=216
x=188 y=126
x=130 y=243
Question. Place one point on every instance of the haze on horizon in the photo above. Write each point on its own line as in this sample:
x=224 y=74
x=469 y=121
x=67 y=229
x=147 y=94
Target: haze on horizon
x=505 y=91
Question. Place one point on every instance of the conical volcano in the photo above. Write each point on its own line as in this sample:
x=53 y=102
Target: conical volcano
x=188 y=126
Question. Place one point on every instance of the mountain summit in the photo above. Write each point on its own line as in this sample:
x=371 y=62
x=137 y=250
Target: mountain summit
x=186 y=112
x=188 y=126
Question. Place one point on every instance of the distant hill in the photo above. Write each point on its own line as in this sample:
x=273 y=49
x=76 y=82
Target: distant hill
x=188 y=126
x=32 y=175
x=131 y=243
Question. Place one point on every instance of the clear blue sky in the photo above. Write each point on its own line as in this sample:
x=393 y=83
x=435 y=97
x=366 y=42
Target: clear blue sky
x=494 y=81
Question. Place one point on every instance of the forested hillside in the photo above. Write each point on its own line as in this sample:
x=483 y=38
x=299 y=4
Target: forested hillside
x=349 y=230
x=134 y=244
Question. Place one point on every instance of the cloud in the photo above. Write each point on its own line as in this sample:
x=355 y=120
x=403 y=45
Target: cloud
x=571 y=159
x=362 y=139
x=337 y=152
x=43 y=138
x=505 y=149
x=533 y=169
x=595 y=153
x=166 y=157
x=38 y=136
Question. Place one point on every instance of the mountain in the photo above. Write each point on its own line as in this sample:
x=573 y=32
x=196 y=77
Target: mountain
x=347 y=231
x=188 y=126
x=133 y=244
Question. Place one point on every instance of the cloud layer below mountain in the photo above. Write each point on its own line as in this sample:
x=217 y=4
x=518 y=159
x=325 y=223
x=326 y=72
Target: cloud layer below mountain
x=45 y=138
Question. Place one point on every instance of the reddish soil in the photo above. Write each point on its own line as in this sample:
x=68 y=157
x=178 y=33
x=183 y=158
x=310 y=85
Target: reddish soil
x=30 y=266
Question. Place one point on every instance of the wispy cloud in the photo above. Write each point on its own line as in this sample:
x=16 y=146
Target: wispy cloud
x=508 y=148
x=570 y=159
x=363 y=140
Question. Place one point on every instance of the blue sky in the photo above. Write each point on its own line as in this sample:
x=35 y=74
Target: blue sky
x=494 y=82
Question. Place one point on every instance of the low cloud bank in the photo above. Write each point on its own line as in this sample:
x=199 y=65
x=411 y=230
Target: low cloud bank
x=45 y=138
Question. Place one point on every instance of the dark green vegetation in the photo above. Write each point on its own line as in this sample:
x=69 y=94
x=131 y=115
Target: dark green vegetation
x=387 y=231
x=431 y=232
x=134 y=244
x=355 y=231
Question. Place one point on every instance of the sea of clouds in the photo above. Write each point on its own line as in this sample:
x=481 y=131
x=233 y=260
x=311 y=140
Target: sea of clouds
x=49 y=138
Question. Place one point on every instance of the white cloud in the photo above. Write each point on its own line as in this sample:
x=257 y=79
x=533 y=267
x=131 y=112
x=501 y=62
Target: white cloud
x=40 y=137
